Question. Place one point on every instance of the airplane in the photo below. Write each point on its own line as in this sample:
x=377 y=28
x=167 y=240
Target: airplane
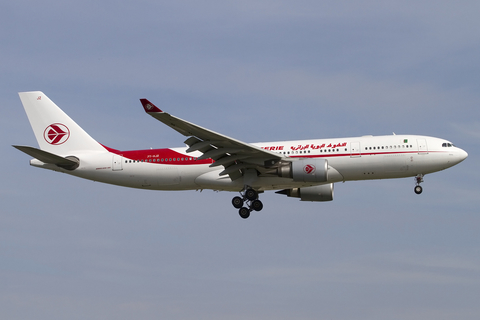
x=304 y=169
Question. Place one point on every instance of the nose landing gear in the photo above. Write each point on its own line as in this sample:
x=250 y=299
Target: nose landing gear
x=418 y=188
x=250 y=197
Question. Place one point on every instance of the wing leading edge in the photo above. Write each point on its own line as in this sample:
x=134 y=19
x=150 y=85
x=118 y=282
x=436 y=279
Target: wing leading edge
x=234 y=155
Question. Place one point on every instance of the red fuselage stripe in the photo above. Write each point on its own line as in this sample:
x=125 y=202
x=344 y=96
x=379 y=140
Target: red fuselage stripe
x=170 y=157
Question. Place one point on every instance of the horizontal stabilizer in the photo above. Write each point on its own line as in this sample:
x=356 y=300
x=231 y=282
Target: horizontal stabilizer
x=69 y=163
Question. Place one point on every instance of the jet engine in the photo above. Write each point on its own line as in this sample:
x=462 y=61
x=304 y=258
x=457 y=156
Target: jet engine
x=305 y=170
x=322 y=192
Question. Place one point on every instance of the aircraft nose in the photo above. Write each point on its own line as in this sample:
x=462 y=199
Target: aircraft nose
x=463 y=154
x=457 y=155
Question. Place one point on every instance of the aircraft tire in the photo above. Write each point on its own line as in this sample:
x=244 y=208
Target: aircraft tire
x=418 y=189
x=257 y=205
x=244 y=213
x=237 y=202
x=251 y=194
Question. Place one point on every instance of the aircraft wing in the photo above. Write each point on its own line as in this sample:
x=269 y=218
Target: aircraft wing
x=234 y=155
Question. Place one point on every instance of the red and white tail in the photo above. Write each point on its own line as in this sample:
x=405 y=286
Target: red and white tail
x=55 y=131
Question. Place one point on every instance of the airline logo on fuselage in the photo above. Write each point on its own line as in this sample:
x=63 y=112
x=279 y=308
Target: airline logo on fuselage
x=56 y=133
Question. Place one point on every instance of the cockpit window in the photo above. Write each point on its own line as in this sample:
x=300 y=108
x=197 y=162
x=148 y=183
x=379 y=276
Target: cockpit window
x=447 y=145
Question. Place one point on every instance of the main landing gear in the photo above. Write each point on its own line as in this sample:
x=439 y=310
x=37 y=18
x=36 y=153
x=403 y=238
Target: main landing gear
x=418 y=179
x=250 y=197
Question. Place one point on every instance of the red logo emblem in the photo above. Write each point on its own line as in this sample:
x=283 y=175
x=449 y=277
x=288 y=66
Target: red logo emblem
x=56 y=133
x=309 y=169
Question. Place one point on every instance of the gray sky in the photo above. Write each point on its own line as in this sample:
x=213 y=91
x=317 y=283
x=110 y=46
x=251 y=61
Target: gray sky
x=256 y=71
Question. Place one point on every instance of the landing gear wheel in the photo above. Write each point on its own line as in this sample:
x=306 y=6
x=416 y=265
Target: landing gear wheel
x=244 y=213
x=418 y=189
x=237 y=202
x=256 y=205
x=251 y=194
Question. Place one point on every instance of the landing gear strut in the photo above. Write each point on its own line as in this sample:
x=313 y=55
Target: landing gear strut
x=250 y=197
x=418 y=179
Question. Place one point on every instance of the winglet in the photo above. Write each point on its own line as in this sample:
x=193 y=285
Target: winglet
x=149 y=107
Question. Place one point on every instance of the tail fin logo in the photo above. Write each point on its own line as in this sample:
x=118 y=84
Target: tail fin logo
x=56 y=134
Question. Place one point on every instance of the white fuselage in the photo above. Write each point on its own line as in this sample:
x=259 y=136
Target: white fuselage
x=359 y=158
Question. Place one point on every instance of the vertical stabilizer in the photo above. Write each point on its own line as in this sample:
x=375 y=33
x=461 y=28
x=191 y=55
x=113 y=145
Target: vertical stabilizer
x=55 y=131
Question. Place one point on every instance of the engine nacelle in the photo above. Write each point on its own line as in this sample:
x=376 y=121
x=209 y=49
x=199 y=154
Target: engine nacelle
x=305 y=170
x=323 y=192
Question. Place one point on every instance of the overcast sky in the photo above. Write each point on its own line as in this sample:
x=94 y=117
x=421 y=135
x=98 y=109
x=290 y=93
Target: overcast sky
x=255 y=71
